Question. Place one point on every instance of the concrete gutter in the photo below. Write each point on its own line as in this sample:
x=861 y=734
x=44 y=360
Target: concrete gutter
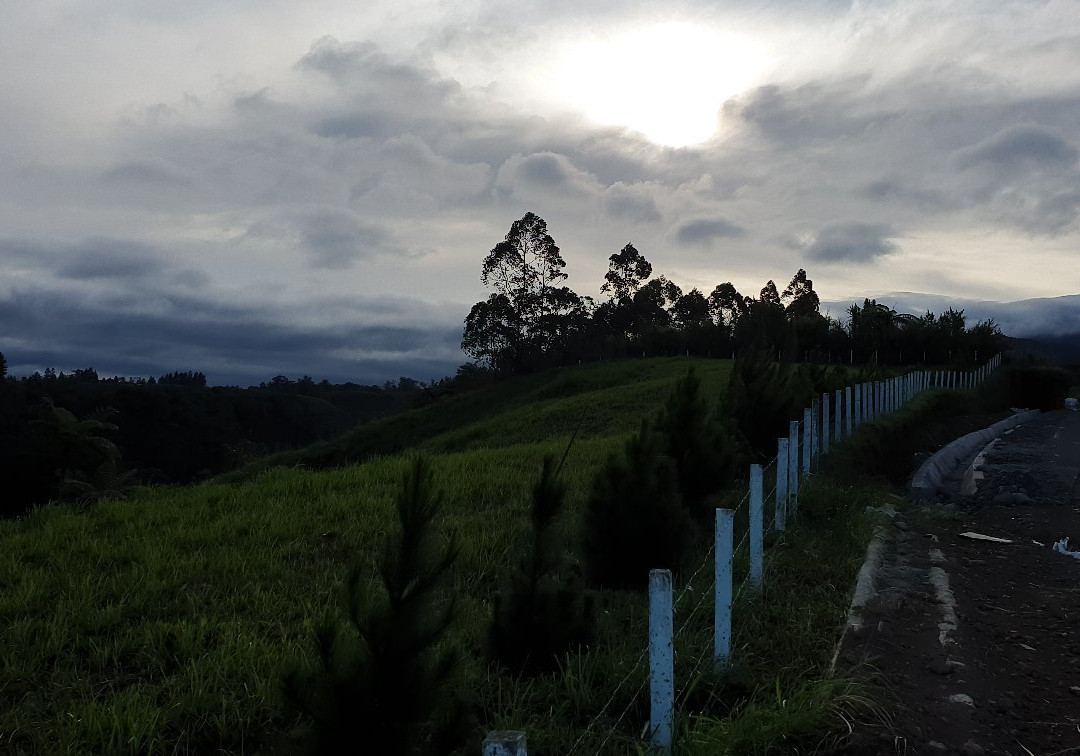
x=929 y=478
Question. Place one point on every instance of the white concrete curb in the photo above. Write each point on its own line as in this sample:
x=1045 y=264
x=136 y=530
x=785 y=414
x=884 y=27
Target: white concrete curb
x=928 y=479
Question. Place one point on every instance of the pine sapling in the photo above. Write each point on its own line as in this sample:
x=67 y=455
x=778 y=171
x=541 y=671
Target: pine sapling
x=383 y=682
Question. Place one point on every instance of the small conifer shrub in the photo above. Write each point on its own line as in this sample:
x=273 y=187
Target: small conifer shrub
x=697 y=442
x=545 y=610
x=634 y=518
x=383 y=683
x=761 y=400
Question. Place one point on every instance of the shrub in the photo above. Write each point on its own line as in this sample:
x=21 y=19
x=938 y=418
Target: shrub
x=634 y=518
x=761 y=401
x=1037 y=386
x=545 y=610
x=697 y=442
x=384 y=680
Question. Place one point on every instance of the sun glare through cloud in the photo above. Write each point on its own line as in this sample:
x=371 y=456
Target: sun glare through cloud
x=666 y=81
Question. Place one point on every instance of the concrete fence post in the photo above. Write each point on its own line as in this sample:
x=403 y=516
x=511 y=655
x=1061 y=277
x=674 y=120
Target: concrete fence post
x=849 y=411
x=505 y=743
x=725 y=533
x=661 y=661
x=807 y=440
x=838 y=418
x=757 y=508
x=780 y=512
x=793 y=467
x=826 y=425
x=858 y=404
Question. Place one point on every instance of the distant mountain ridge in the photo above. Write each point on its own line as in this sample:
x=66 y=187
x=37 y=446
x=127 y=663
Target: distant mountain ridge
x=1043 y=319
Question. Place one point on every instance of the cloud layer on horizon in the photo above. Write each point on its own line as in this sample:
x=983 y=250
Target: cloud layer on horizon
x=317 y=193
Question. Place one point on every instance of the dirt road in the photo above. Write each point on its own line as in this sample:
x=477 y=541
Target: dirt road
x=976 y=643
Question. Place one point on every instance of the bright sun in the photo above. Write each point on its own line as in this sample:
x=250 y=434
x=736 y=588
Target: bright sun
x=665 y=80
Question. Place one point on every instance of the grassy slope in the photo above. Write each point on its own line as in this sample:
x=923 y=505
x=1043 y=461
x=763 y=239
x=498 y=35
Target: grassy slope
x=161 y=623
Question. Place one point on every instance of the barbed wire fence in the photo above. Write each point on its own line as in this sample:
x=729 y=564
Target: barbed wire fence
x=855 y=405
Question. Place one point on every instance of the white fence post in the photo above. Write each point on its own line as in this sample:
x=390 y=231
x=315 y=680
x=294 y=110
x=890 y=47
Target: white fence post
x=757 y=507
x=826 y=426
x=725 y=532
x=793 y=466
x=858 y=404
x=780 y=514
x=839 y=415
x=807 y=440
x=661 y=661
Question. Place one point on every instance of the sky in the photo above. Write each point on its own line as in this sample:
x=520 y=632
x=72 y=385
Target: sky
x=256 y=187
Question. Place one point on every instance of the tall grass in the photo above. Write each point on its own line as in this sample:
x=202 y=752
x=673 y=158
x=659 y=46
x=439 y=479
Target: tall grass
x=162 y=624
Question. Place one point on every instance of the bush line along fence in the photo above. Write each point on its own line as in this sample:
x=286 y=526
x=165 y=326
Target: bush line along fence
x=830 y=419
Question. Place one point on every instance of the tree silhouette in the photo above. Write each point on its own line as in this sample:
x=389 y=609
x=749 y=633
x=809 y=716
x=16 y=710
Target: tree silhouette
x=726 y=304
x=524 y=269
x=627 y=271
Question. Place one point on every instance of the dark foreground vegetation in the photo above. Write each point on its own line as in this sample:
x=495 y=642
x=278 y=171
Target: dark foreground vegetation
x=259 y=616
x=475 y=563
x=77 y=437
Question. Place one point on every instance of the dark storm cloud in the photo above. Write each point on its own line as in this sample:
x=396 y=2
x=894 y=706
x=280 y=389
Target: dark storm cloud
x=548 y=169
x=336 y=238
x=232 y=344
x=90 y=259
x=630 y=202
x=109 y=258
x=365 y=62
x=144 y=172
x=851 y=242
x=545 y=176
x=1020 y=147
x=704 y=230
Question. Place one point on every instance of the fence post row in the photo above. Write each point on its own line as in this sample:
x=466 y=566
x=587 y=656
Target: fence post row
x=861 y=402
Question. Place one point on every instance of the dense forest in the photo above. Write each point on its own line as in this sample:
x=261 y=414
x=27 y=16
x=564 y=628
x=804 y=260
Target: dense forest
x=77 y=437
x=531 y=321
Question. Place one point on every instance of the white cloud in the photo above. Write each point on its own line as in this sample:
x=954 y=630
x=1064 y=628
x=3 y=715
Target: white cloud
x=251 y=159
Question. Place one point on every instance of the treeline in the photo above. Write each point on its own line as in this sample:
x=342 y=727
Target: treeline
x=531 y=321
x=77 y=437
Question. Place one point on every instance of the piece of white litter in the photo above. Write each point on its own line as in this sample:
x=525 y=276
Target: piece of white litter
x=1024 y=645
x=1037 y=543
x=981 y=537
x=963 y=698
x=1062 y=547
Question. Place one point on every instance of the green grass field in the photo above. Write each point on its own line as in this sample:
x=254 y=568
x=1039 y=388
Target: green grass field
x=161 y=624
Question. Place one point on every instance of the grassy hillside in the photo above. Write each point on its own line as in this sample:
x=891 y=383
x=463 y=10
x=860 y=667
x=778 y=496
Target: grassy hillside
x=597 y=400
x=160 y=623
x=163 y=623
